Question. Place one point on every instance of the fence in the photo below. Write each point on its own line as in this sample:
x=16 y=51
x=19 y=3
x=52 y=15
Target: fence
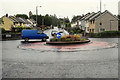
x=10 y=36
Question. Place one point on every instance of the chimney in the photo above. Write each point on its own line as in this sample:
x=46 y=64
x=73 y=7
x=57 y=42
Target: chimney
x=6 y=15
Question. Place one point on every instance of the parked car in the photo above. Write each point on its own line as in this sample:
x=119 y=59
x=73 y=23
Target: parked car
x=33 y=34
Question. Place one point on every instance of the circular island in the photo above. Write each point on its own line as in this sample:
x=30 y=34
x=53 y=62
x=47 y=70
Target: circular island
x=69 y=39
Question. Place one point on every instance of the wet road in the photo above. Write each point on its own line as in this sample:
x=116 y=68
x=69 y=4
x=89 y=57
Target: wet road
x=37 y=61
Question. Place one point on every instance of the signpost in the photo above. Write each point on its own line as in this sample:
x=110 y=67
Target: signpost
x=58 y=35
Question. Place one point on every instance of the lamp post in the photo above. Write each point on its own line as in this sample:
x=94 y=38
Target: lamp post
x=37 y=13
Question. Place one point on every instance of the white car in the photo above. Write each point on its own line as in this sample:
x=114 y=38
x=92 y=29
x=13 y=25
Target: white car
x=54 y=33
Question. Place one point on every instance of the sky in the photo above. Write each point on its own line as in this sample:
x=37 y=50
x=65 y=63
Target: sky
x=62 y=8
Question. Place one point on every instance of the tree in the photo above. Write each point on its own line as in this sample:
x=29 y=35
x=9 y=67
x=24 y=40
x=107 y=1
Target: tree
x=22 y=16
x=55 y=20
x=2 y=30
x=47 y=20
x=75 y=18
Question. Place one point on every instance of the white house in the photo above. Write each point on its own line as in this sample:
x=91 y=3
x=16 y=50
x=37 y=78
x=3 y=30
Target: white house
x=83 y=22
x=28 y=24
x=87 y=22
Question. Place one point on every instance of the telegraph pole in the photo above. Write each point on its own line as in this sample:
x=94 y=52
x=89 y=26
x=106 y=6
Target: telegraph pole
x=100 y=6
x=100 y=13
x=37 y=13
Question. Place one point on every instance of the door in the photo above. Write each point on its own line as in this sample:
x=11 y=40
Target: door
x=39 y=34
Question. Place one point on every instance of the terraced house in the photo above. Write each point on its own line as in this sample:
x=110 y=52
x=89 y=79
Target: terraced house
x=9 y=22
x=99 y=22
x=105 y=21
x=87 y=22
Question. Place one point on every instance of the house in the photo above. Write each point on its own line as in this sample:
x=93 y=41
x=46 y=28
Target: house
x=32 y=21
x=19 y=22
x=87 y=21
x=105 y=21
x=83 y=22
x=9 y=22
x=74 y=24
x=92 y=22
x=27 y=23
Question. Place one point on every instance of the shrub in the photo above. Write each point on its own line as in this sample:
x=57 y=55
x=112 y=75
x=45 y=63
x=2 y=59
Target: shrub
x=19 y=29
x=68 y=40
x=108 y=34
x=54 y=39
x=62 y=38
x=45 y=28
x=82 y=39
x=2 y=30
x=78 y=37
x=92 y=35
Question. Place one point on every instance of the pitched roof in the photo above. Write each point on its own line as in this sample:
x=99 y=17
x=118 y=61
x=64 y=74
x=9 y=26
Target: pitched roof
x=96 y=15
x=85 y=16
x=92 y=14
x=16 y=19
x=24 y=20
x=32 y=20
x=106 y=11
x=11 y=19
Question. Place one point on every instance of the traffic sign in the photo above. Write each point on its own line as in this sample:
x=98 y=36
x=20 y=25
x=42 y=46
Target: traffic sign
x=58 y=35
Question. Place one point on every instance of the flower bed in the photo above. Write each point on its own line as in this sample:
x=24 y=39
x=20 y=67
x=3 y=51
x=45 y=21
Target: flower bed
x=69 y=38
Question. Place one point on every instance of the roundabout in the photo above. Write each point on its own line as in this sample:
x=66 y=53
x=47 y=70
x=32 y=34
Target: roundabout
x=87 y=46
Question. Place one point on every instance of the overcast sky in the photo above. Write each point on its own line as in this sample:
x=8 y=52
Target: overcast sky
x=62 y=8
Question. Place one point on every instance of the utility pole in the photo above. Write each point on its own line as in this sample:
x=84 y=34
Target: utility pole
x=43 y=21
x=37 y=14
x=100 y=6
x=100 y=13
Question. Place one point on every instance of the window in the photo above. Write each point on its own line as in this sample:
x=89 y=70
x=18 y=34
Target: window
x=39 y=32
x=14 y=23
x=92 y=30
x=87 y=28
x=20 y=24
x=93 y=21
x=102 y=29
x=100 y=23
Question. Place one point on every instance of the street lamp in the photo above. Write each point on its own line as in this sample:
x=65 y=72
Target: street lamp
x=37 y=13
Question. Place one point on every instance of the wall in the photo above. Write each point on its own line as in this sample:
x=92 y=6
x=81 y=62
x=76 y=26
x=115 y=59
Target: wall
x=87 y=26
x=7 y=23
x=106 y=21
x=92 y=26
